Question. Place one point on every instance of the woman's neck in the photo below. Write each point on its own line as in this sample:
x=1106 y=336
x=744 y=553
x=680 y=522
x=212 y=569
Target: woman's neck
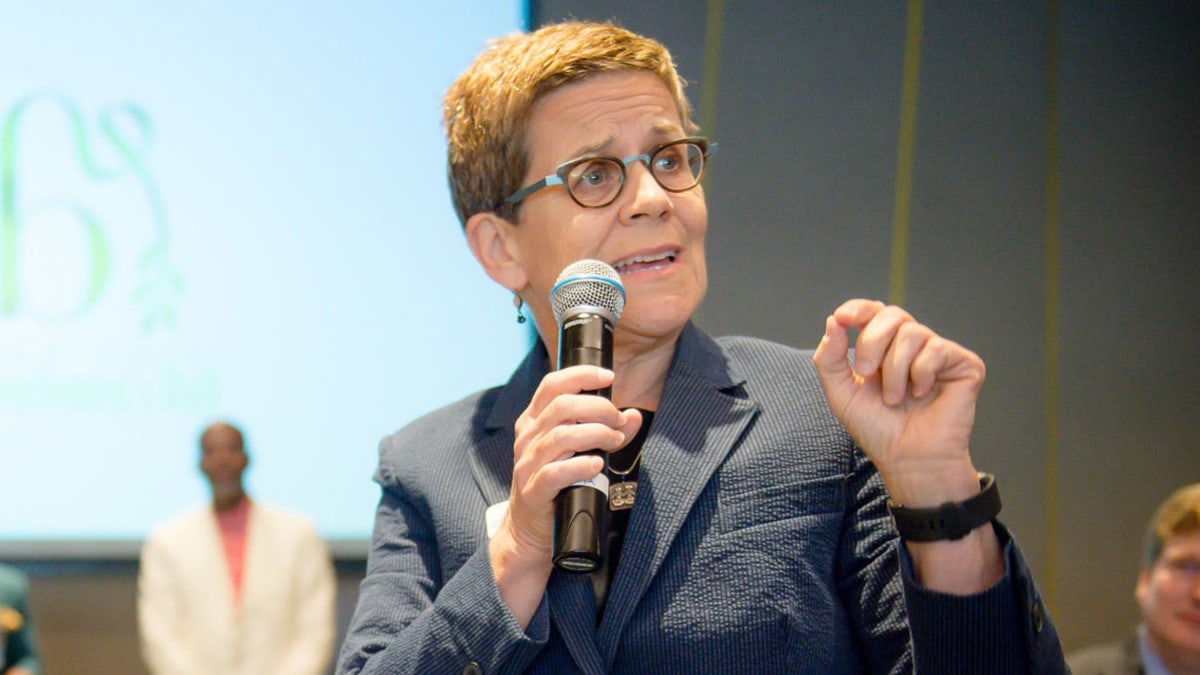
x=641 y=372
x=640 y=362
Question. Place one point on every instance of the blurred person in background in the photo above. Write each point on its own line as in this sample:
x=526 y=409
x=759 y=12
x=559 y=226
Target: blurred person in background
x=1167 y=642
x=235 y=587
x=18 y=641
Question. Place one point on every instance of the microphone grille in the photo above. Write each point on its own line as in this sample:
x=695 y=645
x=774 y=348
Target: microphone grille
x=588 y=283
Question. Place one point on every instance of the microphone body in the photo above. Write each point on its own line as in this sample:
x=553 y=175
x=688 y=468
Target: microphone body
x=587 y=302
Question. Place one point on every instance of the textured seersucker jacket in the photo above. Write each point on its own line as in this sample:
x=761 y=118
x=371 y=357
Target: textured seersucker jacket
x=760 y=542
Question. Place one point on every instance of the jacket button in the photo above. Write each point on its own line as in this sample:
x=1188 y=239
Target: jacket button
x=472 y=668
x=1038 y=619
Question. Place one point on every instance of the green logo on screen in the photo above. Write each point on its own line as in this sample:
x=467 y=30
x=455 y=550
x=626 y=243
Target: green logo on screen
x=82 y=222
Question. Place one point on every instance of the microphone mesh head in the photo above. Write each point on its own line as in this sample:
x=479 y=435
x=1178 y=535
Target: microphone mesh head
x=588 y=284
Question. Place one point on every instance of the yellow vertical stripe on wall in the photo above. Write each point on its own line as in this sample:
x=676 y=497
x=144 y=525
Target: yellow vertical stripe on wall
x=904 y=154
x=706 y=116
x=1051 y=281
x=714 y=32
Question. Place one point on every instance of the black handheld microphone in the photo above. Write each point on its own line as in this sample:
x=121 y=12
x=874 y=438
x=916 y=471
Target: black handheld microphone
x=587 y=300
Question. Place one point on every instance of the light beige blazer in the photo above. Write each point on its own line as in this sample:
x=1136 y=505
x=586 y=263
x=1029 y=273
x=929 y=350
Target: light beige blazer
x=187 y=620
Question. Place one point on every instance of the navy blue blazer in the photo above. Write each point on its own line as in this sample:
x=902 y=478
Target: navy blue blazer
x=760 y=542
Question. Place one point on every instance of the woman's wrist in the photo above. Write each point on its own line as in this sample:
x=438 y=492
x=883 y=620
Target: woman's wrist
x=932 y=484
x=521 y=577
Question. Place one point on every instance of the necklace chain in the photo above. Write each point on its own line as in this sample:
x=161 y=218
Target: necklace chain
x=632 y=466
x=638 y=458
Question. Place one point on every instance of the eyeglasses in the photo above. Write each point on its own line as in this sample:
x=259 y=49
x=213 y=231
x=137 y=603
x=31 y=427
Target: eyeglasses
x=594 y=182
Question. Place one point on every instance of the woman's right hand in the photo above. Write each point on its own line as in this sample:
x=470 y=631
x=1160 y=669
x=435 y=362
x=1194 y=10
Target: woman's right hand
x=560 y=421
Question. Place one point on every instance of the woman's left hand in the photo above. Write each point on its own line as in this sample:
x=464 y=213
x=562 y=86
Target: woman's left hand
x=908 y=399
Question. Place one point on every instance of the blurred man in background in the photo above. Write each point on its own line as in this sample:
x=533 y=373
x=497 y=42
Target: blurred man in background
x=235 y=587
x=1168 y=592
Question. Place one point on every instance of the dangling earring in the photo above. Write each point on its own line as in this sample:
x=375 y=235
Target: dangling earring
x=519 y=303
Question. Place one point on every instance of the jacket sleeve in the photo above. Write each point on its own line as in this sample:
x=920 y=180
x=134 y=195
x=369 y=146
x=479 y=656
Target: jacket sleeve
x=159 y=620
x=411 y=620
x=1003 y=629
x=314 y=595
x=869 y=576
x=907 y=628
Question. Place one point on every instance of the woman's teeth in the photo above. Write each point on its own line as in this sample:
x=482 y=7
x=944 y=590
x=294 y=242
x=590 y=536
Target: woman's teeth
x=645 y=262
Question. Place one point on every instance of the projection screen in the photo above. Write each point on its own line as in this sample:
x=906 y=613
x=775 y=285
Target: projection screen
x=228 y=210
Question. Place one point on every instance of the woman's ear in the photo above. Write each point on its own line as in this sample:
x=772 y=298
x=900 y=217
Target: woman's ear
x=492 y=244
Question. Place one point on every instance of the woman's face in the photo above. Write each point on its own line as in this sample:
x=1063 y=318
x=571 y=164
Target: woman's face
x=652 y=237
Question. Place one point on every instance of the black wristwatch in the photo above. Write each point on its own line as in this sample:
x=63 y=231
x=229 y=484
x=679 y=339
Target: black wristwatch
x=952 y=520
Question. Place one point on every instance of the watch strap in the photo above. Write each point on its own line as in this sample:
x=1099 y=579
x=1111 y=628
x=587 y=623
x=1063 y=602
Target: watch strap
x=952 y=520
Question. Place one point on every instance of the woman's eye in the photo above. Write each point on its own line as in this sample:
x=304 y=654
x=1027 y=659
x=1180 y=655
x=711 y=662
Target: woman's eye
x=593 y=177
x=594 y=174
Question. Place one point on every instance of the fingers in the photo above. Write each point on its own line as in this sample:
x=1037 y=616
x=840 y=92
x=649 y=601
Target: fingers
x=571 y=380
x=877 y=325
x=903 y=356
x=552 y=463
x=907 y=341
x=572 y=419
x=560 y=422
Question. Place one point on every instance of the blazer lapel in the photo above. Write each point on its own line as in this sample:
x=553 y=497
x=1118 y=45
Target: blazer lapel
x=571 y=600
x=491 y=466
x=211 y=549
x=259 y=558
x=700 y=419
x=492 y=459
x=573 y=613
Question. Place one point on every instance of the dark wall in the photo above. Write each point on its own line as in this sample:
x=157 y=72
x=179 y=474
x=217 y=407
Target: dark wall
x=1051 y=225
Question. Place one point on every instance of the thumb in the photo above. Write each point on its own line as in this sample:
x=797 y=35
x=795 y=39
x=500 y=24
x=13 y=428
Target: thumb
x=833 y=364
x=631 y=423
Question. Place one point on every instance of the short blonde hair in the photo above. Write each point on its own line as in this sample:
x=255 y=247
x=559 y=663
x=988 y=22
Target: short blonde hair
x=1178 y=515
x=486 y=111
